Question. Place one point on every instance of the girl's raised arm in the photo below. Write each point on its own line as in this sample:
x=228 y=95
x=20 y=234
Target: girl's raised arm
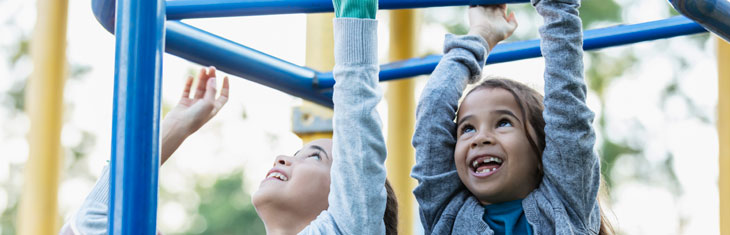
x=357 y=190
x=570 y=164
x=435 y=132
x=184 y=119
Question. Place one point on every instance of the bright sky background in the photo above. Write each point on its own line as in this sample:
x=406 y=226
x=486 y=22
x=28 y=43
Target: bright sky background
x=228 y=142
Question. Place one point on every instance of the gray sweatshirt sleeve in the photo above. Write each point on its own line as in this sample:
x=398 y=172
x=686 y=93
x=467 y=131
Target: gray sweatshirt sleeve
x=435 y=132
x=91 y=218
x=570 y=163
x=357 y=190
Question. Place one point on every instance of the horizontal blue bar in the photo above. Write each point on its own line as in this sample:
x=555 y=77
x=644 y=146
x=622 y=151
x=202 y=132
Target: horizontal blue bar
x=207 y=49
x=714 y=15
x=505 y=52
x=186 y=9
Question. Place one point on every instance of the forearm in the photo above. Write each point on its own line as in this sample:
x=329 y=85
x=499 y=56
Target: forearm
x=568 y=120
x=172 y=137
x=434 y=136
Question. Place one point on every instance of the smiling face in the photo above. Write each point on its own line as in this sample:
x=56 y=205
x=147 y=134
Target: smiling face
x=493 y=155
x=297 y=185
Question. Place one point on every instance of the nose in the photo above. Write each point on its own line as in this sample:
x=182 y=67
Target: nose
x=483 y=138
x=282 y=160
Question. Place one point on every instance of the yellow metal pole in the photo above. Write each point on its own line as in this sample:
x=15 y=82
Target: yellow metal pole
x=312 y=121
x=723 y=131
x=38 y=213
x=401 y=118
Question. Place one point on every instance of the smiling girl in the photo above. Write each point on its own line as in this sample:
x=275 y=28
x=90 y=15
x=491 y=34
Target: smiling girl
x=335 y=186
x=502 y=163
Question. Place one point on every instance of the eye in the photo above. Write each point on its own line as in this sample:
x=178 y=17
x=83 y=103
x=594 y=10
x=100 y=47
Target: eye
x=467 y=129
x=315 y=155
x=504 y=123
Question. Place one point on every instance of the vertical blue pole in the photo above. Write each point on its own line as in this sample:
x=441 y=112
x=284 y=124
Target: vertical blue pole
x=135 y=126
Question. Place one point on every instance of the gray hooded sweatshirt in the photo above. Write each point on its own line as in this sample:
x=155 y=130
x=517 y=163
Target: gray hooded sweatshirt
x=565 y=200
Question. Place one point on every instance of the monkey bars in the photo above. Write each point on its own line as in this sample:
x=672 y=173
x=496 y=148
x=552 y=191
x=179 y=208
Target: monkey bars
x=144 y=28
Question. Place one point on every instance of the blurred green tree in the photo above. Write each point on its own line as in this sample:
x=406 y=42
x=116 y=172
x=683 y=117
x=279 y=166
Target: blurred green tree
x=226 y=208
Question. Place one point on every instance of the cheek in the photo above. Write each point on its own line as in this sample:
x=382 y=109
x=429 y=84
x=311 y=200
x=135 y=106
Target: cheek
x=460 y=150
x=460 y=153
x=528 y=162
x=315 y=179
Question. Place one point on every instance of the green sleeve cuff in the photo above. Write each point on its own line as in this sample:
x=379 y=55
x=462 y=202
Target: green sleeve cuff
x=363 y=9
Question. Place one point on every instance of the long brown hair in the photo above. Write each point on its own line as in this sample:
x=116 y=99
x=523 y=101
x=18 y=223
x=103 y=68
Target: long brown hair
x=531 y=104
x=391 y=211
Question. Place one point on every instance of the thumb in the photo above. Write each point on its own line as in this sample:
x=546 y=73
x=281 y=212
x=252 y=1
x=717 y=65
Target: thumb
x=512 y=20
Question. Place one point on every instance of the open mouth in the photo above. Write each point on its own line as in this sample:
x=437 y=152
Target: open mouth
x=485 y=166
x=277 y=176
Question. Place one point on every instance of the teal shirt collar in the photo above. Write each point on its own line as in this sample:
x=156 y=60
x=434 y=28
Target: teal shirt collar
x=507 y=218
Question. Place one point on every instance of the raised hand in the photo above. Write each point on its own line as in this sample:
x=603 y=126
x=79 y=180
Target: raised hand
x=492 y=23
x=192 y=113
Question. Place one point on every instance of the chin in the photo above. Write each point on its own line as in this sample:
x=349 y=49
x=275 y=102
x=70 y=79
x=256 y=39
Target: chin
x=262 y=197
x=487 y=194
x=257 y=199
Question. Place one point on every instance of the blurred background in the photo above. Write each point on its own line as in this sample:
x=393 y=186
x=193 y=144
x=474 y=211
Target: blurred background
x=655 y=105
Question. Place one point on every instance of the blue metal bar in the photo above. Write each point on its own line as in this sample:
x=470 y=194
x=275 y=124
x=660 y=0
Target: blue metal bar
x=185 y=9
x=207 y=49
x=104 y=13
x=135 y=125
x=714 y=15
x=592 y=40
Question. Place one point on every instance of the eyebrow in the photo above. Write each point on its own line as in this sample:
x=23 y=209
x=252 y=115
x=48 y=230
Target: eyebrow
x=507 y=112
x=467 y=117
x=318 y=148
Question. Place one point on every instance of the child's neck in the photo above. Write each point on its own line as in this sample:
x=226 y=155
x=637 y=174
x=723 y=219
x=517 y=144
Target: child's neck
x=282 y=230
x=283 y=222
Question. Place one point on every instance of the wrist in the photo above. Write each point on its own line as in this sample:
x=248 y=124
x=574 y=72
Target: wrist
x=174 y=126
x=490 y=38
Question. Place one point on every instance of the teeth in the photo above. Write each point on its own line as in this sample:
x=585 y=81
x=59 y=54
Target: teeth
x=278 y=176
x=486 y=170
x=486 y=160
